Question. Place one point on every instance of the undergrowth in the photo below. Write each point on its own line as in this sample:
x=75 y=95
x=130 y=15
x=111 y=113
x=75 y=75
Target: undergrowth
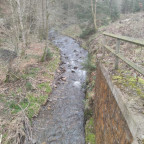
x=25 y=98
x=87 y=32
x=90 y=67
x=89 y=128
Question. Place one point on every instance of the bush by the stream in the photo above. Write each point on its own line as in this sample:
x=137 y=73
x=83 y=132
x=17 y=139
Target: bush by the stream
x=88 y=65
x=87 y=32
x=47 y=55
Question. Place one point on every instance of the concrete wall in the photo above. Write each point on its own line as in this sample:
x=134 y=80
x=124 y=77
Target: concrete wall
x=113 y=122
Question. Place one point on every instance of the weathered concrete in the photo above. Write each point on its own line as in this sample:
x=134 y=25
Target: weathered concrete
x=114 y=122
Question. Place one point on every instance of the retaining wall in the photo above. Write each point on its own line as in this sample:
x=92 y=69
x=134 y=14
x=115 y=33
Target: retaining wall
x=113 y=122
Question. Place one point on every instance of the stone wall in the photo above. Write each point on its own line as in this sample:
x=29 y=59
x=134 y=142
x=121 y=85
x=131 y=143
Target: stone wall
x=113 y=123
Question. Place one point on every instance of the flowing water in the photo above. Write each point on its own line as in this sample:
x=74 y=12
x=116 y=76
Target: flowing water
x=61 y=121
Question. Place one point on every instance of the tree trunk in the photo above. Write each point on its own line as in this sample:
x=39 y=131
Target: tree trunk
x=93 y=9
x=16 y=34
x=22 y=27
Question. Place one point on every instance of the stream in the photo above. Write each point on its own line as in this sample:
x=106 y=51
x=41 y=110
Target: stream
x=61 y=121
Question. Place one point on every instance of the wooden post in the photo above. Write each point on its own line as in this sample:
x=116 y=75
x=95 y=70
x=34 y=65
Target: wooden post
x=117 y=51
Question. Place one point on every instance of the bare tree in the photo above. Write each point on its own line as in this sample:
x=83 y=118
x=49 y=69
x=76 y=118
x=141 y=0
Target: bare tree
x=21 y=25
x=94 y=14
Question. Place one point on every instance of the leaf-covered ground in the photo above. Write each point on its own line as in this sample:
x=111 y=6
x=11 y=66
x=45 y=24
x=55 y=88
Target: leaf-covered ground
x=21 y=99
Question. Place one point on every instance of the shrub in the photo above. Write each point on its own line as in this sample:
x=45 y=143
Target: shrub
x=87 y=32
x=47 y=55
x=29 y=86
x=88 y=66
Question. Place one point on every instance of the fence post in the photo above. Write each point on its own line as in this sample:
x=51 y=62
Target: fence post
x=117 y=51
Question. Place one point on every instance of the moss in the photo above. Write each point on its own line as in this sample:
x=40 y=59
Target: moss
x=89 y=130
x=132 y=83
x=141 y=81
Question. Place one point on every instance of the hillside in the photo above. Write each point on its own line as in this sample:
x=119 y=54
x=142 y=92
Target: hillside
x=130 y=82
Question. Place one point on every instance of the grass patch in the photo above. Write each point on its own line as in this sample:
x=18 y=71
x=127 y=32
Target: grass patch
x=28 y=94
x=54 y=64
x=31 y=104
x=15 y=107
x=89 y=130
x=32 y=72
x=45 y=86
x=133 y=84
x=88 y=65
x=29 y=86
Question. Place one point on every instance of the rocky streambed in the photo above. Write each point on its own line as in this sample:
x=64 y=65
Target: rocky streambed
x=61 y=121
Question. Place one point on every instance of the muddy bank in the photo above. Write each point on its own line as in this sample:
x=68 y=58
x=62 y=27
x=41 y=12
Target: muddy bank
x=61 y=121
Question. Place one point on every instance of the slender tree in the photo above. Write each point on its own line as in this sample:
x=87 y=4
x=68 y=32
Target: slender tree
x=94 y=12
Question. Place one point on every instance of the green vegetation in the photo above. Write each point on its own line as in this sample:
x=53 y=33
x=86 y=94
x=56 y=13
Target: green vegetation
x=45 y=86
x=15 y=107
x=34 y=104
x=31 y=72
x=107 y=11
x=73 y=31
x=31 y=104
x=29 y=86
x=88 y=65
x=47 y=55
x=87 y=32
x=29 y=93
x=133 y=84
x=83 y=11
x=89 y=130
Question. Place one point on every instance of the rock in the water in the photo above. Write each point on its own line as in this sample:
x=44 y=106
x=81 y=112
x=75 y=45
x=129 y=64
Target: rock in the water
x=58 y=71
x=75 y=67
x=63 y=78
x=55 y=86
x=73 y=71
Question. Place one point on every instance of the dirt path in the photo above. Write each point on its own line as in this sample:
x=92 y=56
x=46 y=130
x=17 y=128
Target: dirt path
x=61 y=121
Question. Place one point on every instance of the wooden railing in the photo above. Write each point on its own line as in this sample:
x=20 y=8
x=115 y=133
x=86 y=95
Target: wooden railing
x=118 y=55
